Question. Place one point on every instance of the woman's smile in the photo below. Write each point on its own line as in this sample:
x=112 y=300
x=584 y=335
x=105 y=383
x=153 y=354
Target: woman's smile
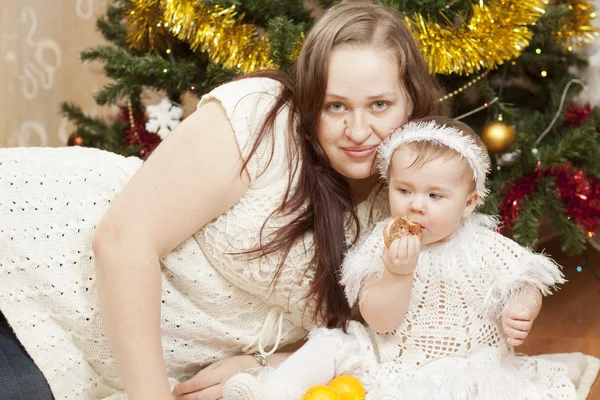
x=360 y=151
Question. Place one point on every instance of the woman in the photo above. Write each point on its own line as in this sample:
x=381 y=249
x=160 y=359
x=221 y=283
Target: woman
x=228 y=240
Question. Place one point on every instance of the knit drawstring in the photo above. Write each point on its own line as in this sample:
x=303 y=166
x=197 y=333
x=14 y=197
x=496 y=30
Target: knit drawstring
x=273 y=323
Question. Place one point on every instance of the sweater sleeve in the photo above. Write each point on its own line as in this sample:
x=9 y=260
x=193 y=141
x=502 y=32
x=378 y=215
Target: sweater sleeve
x=515 y=267
x=247 y=102
x=363 y=262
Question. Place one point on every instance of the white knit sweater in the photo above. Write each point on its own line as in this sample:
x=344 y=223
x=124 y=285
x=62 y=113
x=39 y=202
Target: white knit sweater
x=214 y=304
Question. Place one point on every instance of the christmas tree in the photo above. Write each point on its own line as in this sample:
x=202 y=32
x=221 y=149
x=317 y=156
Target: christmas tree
x=509 y=68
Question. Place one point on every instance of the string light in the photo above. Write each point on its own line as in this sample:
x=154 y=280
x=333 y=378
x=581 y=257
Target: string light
x=560 y=107
x=464 y=87
x=131 y=120
x=485 y=105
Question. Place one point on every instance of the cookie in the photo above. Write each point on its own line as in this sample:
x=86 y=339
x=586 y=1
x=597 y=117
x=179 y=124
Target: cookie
x=399 y=227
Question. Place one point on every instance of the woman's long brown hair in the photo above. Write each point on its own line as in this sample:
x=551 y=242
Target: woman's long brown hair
x=321 y=204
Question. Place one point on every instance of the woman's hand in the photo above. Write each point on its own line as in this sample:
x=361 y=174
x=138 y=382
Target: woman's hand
x=208 y=383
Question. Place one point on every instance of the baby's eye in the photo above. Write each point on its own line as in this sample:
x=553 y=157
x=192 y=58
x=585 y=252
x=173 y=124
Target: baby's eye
x=380 y=105
x=404 y=191
x=335 y=107
x=435 y=196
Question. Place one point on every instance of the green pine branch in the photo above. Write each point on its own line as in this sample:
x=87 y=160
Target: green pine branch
x=95 y=132
x=572 y=237
x=131 y=73
x=283 y=39
x=576 y=145
x=526 y=228
x=111 y=26
x=261 y=12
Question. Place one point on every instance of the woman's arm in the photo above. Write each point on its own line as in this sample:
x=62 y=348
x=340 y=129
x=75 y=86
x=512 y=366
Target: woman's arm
x=208 y=383
x=190 y=179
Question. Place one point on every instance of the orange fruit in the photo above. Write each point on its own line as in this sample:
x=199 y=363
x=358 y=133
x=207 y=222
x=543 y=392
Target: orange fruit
x=321 y=392
x=349 y=387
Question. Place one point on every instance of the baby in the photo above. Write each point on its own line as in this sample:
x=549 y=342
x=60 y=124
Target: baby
x=443 y=311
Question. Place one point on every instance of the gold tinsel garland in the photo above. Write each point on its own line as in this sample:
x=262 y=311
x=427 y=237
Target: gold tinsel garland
x=579 y=28
x=211 y=29
x=496 y=32
x=146 y=29
x=218 y=32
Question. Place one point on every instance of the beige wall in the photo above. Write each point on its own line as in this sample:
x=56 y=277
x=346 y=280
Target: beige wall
x=40 y=42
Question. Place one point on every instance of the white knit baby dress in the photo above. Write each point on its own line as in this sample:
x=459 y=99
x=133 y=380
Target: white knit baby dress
x=450 y=345
x=50 y=203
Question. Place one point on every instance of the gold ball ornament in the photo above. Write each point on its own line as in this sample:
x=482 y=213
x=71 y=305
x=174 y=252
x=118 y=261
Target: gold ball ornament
x=75 y=140
x=497 y=136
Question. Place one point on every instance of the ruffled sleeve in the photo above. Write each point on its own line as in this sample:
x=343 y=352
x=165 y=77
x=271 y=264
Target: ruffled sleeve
x=515 y=267
x=363 y=262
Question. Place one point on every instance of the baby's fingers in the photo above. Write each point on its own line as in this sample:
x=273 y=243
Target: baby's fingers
x=515 y=334
x=402 y=253
x=524 y=326
x=414 y=246
x=514 y=342
x=394 y=250
x=523 y=314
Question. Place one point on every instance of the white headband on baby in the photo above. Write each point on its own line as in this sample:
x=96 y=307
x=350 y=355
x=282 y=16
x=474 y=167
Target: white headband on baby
x=445 y=136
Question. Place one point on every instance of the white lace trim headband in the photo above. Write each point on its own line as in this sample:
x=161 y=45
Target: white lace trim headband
x=443 y=135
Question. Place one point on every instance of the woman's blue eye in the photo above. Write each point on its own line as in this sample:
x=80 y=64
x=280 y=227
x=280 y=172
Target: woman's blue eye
x=380 y=105
x=336 y=106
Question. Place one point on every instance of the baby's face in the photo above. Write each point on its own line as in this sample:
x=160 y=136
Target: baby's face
x=437 y=196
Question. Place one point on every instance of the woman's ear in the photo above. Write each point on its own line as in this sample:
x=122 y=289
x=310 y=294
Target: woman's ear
x=472 y=200
x=410 y=109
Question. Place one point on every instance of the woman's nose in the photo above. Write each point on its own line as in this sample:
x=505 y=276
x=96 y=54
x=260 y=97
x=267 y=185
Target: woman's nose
x=357 y=126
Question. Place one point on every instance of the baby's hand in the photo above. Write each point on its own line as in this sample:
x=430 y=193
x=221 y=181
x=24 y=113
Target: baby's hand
x=517 y=321
x=402 y=256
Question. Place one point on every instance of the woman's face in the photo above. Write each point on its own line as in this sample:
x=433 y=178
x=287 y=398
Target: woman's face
x=364 y=102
